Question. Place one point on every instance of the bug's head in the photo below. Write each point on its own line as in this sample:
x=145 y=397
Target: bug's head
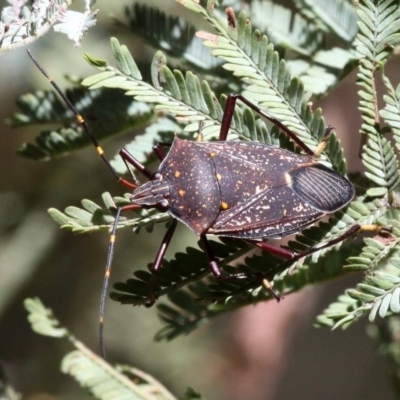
x=154 y=193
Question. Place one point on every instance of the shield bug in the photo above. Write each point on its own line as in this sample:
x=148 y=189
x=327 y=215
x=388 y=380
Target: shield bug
x=238 y=189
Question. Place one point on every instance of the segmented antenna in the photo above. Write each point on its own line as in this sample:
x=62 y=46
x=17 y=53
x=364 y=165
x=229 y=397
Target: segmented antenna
x=122 y=181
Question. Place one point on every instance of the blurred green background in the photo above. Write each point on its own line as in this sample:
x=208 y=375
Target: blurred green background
x=266 y=352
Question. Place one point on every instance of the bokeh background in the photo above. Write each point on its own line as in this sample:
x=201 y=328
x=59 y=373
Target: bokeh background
x=270 y=351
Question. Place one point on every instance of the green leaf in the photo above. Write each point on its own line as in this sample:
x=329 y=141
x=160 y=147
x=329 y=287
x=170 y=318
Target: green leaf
x=42 y=319
x=92 y=372
x=391 y=112
x=118 y=113
x=338 y=17
x=93 y=217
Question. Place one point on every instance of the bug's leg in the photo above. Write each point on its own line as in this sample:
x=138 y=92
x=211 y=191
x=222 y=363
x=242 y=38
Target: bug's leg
x=159 y=151
x=322 y=145
x=212 y=262
x=276 y=250
x=269 y=288
x=216 y=271
x=293 y=256
x=228 y=115
x=199 y=137
x=157 y=263
x=106 y=280
x=128 y=159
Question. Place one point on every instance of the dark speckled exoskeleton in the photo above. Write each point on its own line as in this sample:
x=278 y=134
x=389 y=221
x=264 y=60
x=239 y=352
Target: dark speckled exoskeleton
x=242 y=189
x=245 y=190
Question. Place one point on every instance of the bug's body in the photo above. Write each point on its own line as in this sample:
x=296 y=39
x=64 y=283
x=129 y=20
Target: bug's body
x=238 y=189
x=243 y=189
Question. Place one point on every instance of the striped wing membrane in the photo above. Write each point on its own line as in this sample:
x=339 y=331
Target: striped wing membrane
x=321 y=187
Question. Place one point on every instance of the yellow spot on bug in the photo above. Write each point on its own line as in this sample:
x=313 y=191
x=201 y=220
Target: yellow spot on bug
x=182 y=192
x=224 y=205
x=213 y=154
x=219 y=177
x=177 y=174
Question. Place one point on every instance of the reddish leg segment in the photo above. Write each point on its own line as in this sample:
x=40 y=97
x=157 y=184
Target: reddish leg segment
x=216 y=271
x=157 y=263
x=287 y=254
x=228 y=115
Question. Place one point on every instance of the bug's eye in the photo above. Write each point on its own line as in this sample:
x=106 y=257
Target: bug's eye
x=164 y=204
x=157 y=177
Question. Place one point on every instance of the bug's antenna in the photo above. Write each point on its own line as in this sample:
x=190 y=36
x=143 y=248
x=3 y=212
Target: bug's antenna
x=106 y=282
x=83 y=123
x=127 y=159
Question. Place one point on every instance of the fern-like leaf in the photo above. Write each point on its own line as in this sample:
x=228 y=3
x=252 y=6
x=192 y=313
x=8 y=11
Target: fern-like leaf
x=391 y=112
x=285 y=28
x=356 y=213
x=253 y=59
x=379 y=27
x=338 y=17
x=319 y=69
x=379 y=292
x=92 y=217
x=118 y=113
x=380 y=159
x=187 y=267
x=105 y=382
x=196 y=298
x=169 y=33
x=185 y=97
x=99 y=378
x=203 y=300
x=249 y=55
x=42 y=319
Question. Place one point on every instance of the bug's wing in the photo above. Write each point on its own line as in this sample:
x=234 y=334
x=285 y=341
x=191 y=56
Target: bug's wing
x=243 y=169
x=323 y=188
x=310 y=192
x=273 y=213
